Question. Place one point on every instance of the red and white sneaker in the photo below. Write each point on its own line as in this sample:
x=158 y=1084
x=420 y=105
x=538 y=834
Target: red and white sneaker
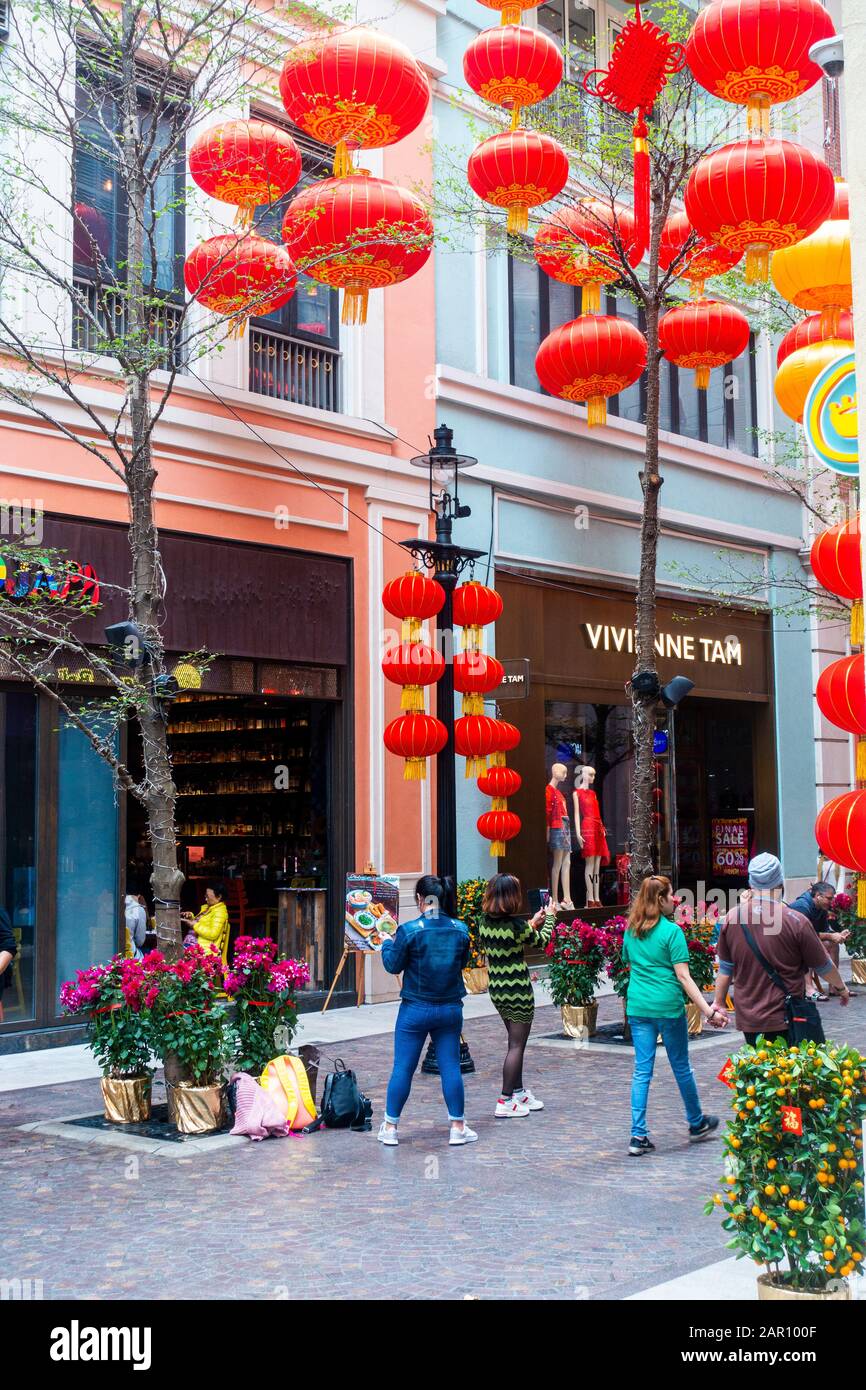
x=509 y=1108
x=525 y=1097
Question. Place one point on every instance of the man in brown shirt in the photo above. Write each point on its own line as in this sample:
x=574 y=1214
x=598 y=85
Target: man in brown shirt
x=788 y=941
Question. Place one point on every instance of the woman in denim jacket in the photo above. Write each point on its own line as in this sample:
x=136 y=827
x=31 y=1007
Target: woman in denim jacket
x=431 y=951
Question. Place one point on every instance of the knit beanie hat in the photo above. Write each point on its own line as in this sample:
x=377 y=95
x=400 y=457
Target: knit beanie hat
x=765 y=871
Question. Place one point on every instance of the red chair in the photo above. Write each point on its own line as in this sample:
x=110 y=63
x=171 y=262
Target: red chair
x=244 y=920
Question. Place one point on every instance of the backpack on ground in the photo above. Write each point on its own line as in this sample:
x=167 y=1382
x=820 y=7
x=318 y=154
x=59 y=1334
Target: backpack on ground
x=344 y=1106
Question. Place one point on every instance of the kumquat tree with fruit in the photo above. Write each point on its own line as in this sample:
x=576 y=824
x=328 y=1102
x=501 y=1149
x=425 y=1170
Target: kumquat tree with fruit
x=793 y=1188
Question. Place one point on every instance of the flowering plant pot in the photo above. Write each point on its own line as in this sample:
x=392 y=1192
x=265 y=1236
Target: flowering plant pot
x=695 y=1019
x=858 y=971
x=579 y=1020
x=263 y=987
x=188 y=1021
x=770 y=1290
x=575 y=954
x=119 y=1035
x=126 y=1099
x=197 y=1109
x=792 y=1196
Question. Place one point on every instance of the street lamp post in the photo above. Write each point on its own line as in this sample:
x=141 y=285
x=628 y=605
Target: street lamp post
x=447 y=561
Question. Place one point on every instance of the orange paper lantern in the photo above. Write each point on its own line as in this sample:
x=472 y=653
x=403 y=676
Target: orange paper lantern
x=590 y=359
x=811 y=330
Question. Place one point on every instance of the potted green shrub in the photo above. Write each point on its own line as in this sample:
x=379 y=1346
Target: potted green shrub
x=702 y=968
x=792 y=1195
x=118 y=1034
x=470 y=894
x=189 y=1024
x=575 y=953
x=263 y=988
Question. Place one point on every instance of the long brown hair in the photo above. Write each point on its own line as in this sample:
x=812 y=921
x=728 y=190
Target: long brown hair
x=502 y=896
x=646 y=910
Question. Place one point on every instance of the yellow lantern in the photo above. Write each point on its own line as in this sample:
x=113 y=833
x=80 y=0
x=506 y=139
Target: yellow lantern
x=799 y=370
x=816 y=273
x=187 y=676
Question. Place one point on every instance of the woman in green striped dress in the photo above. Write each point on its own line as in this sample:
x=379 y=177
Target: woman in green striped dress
x=503 y=936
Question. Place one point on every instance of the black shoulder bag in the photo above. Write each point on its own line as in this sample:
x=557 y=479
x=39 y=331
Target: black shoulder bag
x=803 y=1018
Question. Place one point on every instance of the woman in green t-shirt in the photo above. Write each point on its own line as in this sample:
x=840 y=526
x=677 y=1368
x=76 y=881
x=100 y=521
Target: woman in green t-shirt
x=657 y=953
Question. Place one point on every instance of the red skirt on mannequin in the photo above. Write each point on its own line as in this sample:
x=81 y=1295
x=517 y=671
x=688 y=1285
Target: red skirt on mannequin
x=591 y=827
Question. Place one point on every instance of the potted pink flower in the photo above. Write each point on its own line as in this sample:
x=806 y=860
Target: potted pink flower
x=575 y=956
x=112 y=998
x=263 y=987
x=191 y=1032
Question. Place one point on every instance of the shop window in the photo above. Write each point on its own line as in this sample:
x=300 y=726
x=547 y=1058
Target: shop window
x=86 y=915
x=18 y=848
x=101 y=203
x=572 y=25
x=724 y=416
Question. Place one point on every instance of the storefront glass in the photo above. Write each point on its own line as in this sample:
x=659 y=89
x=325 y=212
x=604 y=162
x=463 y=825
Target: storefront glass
x=87 y=844
x=18 y=845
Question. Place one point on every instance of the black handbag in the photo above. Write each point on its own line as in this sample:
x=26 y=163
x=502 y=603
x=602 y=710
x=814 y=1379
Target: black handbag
x=803 y=1018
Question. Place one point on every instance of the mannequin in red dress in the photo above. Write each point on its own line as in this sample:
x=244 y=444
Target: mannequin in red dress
x=558 y=838
x=591 y=838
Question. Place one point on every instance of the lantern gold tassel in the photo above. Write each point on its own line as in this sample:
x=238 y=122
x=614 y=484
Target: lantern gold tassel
x=861 y=761
x=861 y=897
x=472 y=703
x=497 y=848
x=516 y=113
x=511 y=14
x=496 y=760
x=343 y=165
x=857 y=623
x=354 y=306
x=758 y=115
x=415 y=770
x=757 y=264
x=590 y=302
x=237 y=326
x=518 y=219
x=471 y=639
x=596 y=411
x=412 y=697
x=499 y=803
x=702 y=378
x=244 y=218
x=476 y=767
x=410 y=630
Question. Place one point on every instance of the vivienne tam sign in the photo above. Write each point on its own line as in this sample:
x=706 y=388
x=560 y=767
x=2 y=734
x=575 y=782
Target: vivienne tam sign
x=684 y=646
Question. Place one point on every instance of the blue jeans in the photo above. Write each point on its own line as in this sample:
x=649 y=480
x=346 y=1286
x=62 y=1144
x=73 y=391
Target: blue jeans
x=443 y=1023
x=675 y=1036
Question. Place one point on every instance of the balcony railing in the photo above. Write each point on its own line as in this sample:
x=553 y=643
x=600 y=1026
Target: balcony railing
x=289 y=370
x=101 y=316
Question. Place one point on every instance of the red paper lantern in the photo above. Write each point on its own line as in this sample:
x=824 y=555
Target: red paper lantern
x=249 y=163
x=240 y=276
x=415 y=738
x=836 y=564
x=590 y=359
x=500 y=782
x=513 y=67
x=506 y=738
x=757 y=196
x=475 y=675
x=518 y=170
x=498 y=826
x=510 y=10
x=841 y=830
x=413 y=598
x=701 y=262
x=578 y=245
x=358 y=234
x=413 y=665
x=756 y=52
x=475 y=605
x=475 y=735
x=355 y=89
x=841 y=696
x=703 y=334
x=809 y=331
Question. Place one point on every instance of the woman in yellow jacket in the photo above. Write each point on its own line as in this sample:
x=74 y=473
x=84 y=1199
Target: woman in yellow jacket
x=211 y=926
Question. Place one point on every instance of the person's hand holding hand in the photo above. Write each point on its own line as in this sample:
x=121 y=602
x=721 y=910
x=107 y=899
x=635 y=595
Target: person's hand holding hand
x=845 y=998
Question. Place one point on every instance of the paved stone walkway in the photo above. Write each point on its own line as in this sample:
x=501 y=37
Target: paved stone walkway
x=545 y=1207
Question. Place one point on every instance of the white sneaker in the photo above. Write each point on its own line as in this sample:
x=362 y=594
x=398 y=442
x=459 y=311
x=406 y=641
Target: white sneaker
x=387 y=1136
x=510 y=1108
x=527 y=1098
x=462 y=1136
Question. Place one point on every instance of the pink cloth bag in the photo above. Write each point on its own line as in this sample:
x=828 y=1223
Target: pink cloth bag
x=257 y=1114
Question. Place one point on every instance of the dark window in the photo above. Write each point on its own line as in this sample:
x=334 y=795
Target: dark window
x=101 y=207
x=724 y=415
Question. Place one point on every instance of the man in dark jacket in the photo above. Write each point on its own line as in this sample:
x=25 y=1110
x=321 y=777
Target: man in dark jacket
x=815 y=905
x=8 y=951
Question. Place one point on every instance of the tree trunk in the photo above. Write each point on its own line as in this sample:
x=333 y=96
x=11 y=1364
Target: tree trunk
x=643 y=707
x=147 y=582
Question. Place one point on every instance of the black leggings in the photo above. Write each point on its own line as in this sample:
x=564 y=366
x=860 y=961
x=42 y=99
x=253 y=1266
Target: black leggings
x=512 y=1071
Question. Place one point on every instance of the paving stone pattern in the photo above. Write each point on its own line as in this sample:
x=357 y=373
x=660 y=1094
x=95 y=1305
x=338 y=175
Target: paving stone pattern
x=545 y=1207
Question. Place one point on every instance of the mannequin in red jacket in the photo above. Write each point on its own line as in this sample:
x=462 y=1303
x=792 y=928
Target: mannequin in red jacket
x=558 y=839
